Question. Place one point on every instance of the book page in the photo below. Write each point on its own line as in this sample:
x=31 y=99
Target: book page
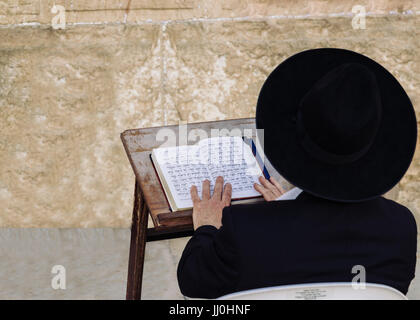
x=231 y=158
x=181 y=168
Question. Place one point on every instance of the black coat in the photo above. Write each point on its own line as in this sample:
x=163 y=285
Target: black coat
x=307 y=240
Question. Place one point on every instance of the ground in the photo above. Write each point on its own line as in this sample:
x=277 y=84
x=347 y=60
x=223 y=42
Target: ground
x=95 y=261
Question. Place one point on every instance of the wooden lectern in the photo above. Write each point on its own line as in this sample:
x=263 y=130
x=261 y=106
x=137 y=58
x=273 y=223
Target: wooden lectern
x=149 y=197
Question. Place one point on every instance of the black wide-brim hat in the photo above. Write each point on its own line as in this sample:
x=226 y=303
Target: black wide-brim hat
x=336 y=124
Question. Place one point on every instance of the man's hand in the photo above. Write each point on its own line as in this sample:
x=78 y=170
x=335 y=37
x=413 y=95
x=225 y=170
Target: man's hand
x=270 y=189
x=208 y=211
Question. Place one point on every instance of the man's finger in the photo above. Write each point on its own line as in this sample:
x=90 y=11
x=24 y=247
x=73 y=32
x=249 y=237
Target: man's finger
x=227 y=194
x=194 y=194
x=218 y=187
x=265 y=192
x=206 y=190
x=267 y=184
x=277 y=185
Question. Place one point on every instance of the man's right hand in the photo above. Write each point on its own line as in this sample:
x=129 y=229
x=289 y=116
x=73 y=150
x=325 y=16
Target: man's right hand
x=270 y=189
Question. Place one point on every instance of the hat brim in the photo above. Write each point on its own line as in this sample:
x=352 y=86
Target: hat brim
x=372 y=175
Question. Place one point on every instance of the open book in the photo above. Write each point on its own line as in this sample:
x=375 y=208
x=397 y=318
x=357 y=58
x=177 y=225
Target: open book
x=181 y=167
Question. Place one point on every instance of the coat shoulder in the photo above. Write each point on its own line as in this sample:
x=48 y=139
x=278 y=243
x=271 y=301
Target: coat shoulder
x=399 y=212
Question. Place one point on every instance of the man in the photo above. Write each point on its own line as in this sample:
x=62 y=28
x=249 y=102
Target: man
x=338 y=126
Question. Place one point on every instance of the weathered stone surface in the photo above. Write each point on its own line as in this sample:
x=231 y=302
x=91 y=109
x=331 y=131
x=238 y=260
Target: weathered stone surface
x=81 y=11
x=64 y=99
x=66 y=95
x=243 y=53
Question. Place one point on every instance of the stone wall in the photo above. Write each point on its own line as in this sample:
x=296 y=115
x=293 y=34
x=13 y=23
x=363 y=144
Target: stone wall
x=134 y=11
x=66 y=95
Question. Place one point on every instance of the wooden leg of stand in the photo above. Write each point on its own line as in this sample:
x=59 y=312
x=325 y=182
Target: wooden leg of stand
x=137 y=246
